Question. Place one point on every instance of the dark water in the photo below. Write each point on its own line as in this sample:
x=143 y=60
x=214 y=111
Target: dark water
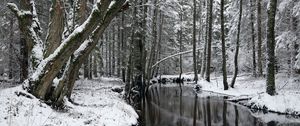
x=172 y=106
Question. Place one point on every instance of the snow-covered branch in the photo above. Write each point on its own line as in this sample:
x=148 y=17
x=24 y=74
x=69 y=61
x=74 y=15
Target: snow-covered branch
x=19 y=13
x=173 y=55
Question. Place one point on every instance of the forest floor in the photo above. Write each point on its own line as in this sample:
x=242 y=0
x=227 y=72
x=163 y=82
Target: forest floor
x=252 y=92
x=96 y=105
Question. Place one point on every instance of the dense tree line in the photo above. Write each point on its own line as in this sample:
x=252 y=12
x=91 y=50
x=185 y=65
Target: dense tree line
x=126 y=40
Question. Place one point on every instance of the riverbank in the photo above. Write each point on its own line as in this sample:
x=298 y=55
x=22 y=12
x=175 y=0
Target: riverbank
x=252 y=90
x=96 y=105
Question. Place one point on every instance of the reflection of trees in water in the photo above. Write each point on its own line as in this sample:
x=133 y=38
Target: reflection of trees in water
x=180 y=106
x=195 y=110
x=208 y=111
x=224 y=113
x=236 y=116
x=175 y=106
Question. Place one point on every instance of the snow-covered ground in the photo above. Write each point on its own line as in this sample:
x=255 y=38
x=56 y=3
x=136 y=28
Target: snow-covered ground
x=97 y=106
x=286 y=101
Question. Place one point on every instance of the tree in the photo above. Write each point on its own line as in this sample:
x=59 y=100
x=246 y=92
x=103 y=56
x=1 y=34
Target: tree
x=77 y=45
x=123 y=69
x=195 y=43
x=259 y=39
x=271 y=48
x=153 y=48
x=253 y=37
x=180 y=40
x=225 y=84
x=237 y=46
x=11 y=34
x=209 y=41
x=204 y=60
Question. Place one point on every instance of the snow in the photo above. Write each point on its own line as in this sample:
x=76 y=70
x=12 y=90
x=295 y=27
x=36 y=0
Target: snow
x=283 y=5
x=111 y=4
x=286 y=101
x=96 y=105
x=82 y=47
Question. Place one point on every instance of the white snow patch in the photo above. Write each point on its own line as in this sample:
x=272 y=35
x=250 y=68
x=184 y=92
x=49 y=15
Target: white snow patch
x=98 y=106
x=283 y=102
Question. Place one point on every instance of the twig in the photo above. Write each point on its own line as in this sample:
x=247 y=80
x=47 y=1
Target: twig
x=283 y=86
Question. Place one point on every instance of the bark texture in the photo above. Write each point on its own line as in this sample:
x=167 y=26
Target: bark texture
x=195 y=43
x=271 y=48
x=225 y=84
x=259 y=39
x=209 y=41
x=253 y=37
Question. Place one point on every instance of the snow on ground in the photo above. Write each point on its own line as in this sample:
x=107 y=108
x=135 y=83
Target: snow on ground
x=96 y=105
x=286 y=101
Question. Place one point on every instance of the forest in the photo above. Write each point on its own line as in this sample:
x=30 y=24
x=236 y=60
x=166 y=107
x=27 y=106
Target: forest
x=150 y=62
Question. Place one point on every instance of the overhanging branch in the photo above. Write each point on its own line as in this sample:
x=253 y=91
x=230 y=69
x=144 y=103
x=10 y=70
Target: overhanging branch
x=173 y=55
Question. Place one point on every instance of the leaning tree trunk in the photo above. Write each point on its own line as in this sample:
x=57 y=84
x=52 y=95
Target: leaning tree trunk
x=77 y=59
x=271 y=48
x=41 y=80
x=236 y=67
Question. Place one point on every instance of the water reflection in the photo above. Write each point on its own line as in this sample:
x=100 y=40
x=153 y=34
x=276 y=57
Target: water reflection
x=174 y=106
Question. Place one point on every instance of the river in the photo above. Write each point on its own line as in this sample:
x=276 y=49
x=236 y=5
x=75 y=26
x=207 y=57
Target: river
x=174 y=106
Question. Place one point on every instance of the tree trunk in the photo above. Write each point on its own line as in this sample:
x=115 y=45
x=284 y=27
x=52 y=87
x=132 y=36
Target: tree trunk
x=158 y=57
x=10 y=48
x=86 y=68
x=119 y=51
x=195 y=43
x=90 y=66
x=123 y=44
x=259 y=39
x=24 y=58
x=236 y=66
x=77 y=59
x=271 y=48
x=209 y=41
x=200 y=38
x=106 y=54
x=153 y=48
x=110 y=54
x=41 y=81
x=113 y=67
x=81 y=18
x=95 y=65
x=180 y=42
x=252 y=6
x=204 y=53
x=224 y=71
x=54 y=62
x=29 y=33
x=56 y=27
